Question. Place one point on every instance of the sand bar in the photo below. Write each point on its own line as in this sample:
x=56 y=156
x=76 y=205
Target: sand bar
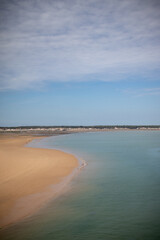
x=26 y=174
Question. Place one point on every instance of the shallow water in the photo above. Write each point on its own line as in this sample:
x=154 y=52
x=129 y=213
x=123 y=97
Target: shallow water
x=115 y=197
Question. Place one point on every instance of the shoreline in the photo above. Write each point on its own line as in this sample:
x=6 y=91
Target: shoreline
x=54 y=131
x=31 y=177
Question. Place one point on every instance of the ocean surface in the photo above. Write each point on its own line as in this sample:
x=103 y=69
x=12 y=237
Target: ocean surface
x=116 y=196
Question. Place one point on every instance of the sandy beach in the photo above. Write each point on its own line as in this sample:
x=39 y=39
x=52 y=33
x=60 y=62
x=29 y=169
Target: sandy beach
x=26 y=175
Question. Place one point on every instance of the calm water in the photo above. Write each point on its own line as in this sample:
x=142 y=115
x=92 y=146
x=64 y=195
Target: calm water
x=117 y=196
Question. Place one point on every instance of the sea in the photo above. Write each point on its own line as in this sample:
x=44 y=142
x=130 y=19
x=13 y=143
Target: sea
x=115 y=197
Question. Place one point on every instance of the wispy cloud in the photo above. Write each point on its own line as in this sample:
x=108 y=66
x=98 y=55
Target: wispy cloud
x=79 y=40
x=143 y=92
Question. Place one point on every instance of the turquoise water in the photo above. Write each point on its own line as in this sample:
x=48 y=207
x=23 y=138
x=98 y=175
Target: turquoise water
x=115 y=197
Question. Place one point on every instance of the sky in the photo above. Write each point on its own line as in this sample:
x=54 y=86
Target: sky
x=79 y=62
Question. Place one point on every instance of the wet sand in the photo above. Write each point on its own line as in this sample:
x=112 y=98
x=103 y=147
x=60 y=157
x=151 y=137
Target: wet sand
x=28 y=176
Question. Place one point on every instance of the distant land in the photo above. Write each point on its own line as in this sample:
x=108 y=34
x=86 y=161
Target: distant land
x=55 y=130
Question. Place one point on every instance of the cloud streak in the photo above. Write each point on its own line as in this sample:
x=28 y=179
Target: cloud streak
x=143 y=92
x=43 y=41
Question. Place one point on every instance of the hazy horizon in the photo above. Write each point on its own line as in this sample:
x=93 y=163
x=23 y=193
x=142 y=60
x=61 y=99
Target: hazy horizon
x=76 y=126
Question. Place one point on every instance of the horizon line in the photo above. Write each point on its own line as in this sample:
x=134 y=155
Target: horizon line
x=81 y=126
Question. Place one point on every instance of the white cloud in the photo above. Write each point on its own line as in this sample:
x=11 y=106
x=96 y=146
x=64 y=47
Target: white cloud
x=44 y=41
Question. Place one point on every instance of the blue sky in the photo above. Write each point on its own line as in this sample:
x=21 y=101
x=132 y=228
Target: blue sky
x=79 y=62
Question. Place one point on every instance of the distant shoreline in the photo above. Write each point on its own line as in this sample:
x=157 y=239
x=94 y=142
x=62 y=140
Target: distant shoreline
x=58 y=130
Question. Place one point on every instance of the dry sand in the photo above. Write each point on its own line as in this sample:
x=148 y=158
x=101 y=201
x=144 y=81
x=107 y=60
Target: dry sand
x=26 y=174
